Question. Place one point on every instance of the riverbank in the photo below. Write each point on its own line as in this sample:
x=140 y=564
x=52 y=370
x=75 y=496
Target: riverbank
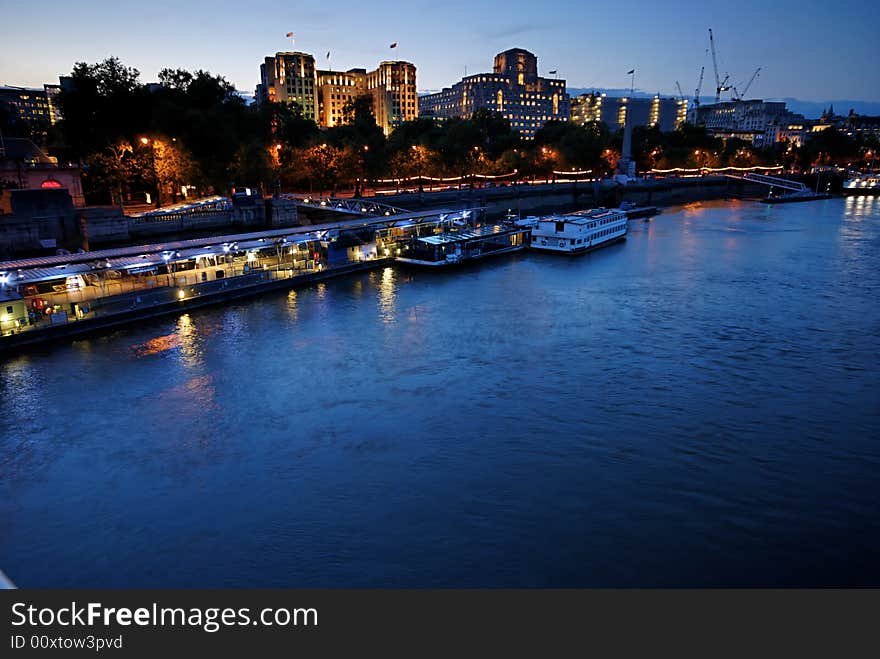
x=522 y=200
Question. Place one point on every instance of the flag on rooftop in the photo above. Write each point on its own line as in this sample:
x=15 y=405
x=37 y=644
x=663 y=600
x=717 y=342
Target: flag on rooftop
x=630 y=72
x=553 y=73
x=289 y=34
x=394 y=45
x=328 y=54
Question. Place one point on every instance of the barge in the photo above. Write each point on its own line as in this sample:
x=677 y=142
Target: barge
x=466 y=244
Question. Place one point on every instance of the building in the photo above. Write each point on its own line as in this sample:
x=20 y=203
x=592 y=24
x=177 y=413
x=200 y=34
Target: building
x=323 y=94
x=614 y=111
x=765 y=122
x=753 y=115
x=24 y=166
x=290 y=77
x=793 y=132
x=861 y=125
x=336 y=89
x=37 y=107
x=393 y=88
x=513 y=89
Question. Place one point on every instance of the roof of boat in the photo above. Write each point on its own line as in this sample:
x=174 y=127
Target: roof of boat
x=585 y=216
x=468 y=234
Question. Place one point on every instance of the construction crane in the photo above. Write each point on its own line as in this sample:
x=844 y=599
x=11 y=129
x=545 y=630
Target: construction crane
x=680 y=93
x=720 y=85
x=740 y=96
x=699 y=87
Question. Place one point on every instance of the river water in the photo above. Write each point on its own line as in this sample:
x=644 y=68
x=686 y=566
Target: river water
x=698 y=406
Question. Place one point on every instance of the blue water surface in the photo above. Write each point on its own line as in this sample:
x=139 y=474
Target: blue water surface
x=698 y=406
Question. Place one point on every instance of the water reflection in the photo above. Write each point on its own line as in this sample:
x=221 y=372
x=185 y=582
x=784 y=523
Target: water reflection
x=387 y=295
x=292 y=307
x=190 y=341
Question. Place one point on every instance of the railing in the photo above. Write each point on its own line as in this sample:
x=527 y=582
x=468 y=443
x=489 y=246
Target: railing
x=349 y=206
x=772 y=181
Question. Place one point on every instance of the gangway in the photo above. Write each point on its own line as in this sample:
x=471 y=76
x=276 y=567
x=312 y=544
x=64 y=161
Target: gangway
x=771 y=181
x=348 y=205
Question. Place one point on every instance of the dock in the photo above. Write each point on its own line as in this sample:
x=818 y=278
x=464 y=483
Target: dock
x=69 y=295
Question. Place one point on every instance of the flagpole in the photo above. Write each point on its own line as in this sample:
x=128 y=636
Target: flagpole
x=632 y=83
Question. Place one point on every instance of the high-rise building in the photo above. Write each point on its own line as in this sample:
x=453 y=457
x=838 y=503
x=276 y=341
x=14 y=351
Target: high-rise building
x=290 y=77
x=614 y=111
x=336 y=89
x=323 y=95
x=513 y=89
x=393 y=88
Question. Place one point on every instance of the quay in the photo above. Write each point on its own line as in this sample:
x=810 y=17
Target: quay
x=68 y=295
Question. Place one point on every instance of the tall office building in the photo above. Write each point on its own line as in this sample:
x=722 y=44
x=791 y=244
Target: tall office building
x=323 y=95
x=614 y=111
x=393 y=88
x=336 y=89
x=290 y=77
x=514 y=89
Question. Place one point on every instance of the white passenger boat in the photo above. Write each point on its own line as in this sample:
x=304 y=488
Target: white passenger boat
x=578 y=232
x=863 y=184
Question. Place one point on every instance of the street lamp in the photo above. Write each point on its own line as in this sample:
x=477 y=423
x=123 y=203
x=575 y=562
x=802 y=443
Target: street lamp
x=418 y=154
x=152 y=143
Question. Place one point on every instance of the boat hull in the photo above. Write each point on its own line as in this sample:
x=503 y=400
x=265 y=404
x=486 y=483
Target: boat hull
x=794 y=199
x=647 y=211
x=861 y=192
x=578 y=250
x=422 y=263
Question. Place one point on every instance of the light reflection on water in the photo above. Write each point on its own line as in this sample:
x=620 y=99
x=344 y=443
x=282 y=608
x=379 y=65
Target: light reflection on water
x=697 y=406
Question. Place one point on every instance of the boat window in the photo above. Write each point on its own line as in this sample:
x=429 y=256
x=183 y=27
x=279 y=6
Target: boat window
x=572 y=241
x=560 y=227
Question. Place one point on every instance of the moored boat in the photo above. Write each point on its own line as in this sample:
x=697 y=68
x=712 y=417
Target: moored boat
x=863 y=184
x=454 y=247
x=578 y=232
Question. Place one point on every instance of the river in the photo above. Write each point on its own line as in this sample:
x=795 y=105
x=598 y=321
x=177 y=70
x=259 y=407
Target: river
x=697 y=406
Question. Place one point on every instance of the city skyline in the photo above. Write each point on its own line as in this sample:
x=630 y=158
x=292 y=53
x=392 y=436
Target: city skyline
x=807 y=53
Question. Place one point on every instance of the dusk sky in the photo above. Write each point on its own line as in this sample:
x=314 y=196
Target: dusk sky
x=807 y=50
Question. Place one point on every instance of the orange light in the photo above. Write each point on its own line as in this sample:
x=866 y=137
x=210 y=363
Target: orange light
x=145 y=140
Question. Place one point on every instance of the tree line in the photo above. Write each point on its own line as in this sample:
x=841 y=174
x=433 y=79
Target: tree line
x=195 y=129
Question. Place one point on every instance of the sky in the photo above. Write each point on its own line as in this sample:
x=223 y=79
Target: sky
x=808 y=50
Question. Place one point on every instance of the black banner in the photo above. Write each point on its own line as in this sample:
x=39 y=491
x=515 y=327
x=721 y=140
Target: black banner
x=458 y=623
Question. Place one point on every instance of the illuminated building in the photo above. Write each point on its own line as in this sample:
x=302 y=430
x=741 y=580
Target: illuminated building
x=665 y=113
x=393 y=88
x=336 y=89
x=35 y=106
x=323 y=95
x=513 y=89
x=795 y=133
x=290 y=77
x=752 y=115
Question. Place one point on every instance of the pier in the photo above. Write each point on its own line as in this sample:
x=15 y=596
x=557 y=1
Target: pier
x=66 y=295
